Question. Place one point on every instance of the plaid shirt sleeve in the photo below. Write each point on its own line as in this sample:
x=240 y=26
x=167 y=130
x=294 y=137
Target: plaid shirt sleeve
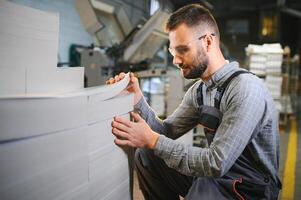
x=183 y=119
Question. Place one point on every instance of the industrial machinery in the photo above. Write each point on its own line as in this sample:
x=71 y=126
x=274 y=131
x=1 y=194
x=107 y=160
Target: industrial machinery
x=118 y=46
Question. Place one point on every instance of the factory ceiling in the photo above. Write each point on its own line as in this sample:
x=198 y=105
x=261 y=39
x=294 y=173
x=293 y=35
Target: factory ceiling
x=223 y=7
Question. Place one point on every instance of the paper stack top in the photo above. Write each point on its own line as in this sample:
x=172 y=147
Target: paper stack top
x=29 y=47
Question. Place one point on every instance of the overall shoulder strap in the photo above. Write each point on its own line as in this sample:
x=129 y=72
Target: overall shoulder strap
x=200 y=94
x=221 y=89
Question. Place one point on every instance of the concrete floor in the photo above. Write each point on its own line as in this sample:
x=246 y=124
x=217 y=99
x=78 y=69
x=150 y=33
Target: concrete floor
x=298 y=163
x=284 y=144
x=137 y=193
x=284 y=140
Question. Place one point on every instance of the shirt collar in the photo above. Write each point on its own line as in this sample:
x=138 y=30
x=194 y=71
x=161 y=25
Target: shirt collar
x=222 y=74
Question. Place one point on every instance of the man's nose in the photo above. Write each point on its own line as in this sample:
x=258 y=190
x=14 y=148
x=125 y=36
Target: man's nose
x=176 y=60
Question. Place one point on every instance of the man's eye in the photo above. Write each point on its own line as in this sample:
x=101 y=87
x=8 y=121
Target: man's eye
x=182 y=50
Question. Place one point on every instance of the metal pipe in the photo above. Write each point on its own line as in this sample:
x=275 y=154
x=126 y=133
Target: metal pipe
x=292 y=12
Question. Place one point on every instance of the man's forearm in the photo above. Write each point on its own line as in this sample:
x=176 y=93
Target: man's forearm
x=148 y=114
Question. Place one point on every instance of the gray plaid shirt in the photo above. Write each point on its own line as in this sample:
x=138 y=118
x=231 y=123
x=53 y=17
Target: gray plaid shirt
x=249 y=118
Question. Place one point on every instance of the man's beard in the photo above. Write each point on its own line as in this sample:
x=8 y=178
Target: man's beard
x=198 y=66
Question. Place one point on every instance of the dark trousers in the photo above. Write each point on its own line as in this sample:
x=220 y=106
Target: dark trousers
x=159 y=182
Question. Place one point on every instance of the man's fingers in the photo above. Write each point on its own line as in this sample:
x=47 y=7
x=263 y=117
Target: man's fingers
x=133 y=78
x=130 y=86
x=121 y=75
x=123 y=142
x=116 y=78
x=120 y=134
x=111 y=80
x=120 y=126
x=132 y=75
x=123 y=121
x=108 y=82
x=136 y=117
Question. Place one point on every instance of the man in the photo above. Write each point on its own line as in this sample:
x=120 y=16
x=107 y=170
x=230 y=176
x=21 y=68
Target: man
x=237 y=113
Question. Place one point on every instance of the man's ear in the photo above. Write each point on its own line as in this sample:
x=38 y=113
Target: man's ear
x=209 y=42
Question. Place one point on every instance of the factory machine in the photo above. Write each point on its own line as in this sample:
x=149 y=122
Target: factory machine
x=118 y=45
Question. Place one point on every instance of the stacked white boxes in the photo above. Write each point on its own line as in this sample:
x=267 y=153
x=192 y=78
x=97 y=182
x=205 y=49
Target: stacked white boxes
x=55 y=146
x=266 y=62
x=265 y=59
x=257 y=59
x=28 y=51
x=55 y=135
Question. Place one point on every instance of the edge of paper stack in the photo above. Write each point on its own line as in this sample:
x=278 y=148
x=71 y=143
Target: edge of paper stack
x=55 y=136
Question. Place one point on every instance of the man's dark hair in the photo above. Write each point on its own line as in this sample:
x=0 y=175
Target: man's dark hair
x=192 y=15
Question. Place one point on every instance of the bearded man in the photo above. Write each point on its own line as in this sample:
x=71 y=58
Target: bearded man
x=235 y=109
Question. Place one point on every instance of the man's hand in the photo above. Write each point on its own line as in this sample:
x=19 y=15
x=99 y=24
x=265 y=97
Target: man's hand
x=134 y=134
x=132 y=87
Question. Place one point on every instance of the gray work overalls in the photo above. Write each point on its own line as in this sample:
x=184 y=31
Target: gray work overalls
x=245 y=179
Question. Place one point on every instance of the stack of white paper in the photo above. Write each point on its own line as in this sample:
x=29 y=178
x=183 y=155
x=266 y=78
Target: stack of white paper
x=73 y=150
x=108 y=168
x=274 y=63
x=43 y=167
x=257 y=59
x=55 y=80
x=28 y=37
x=28 y=51
x=274 y=84
x=39 y=116
x=257 y=64
x=55 y=136
x=265 y=59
